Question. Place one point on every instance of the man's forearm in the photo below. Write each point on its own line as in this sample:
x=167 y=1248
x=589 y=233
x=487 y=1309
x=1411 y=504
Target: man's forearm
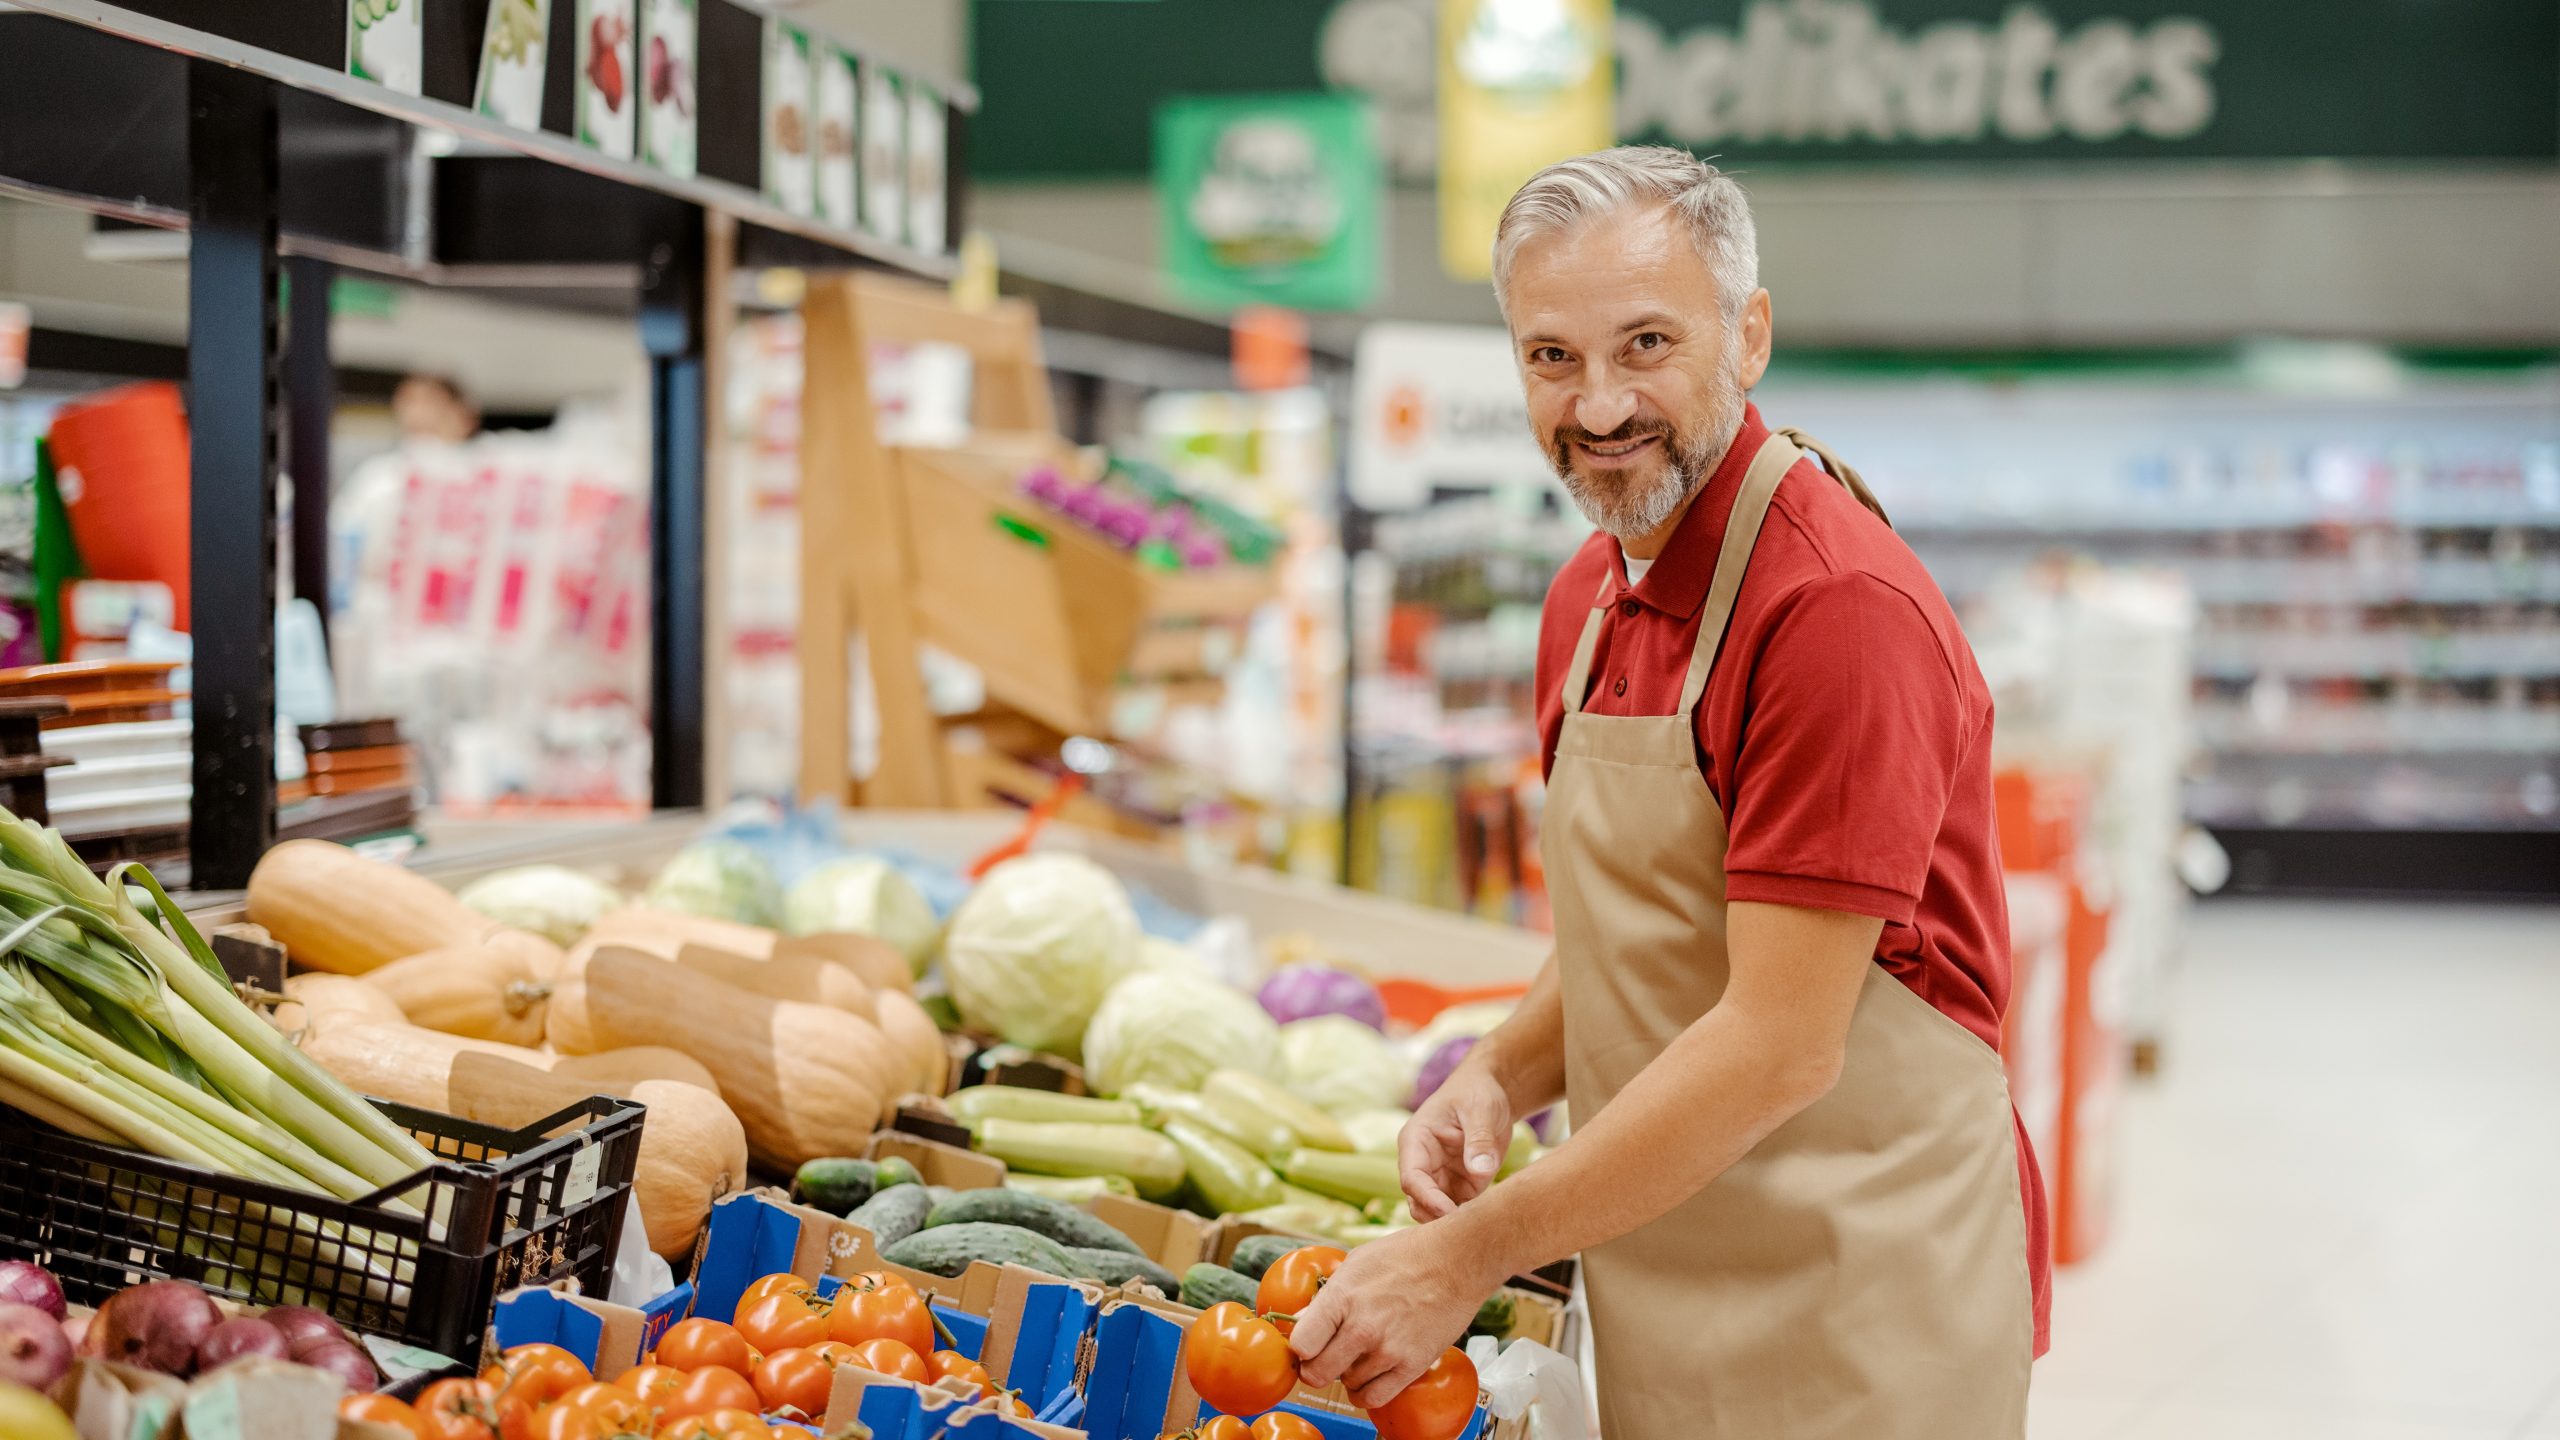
x=1525 y=1056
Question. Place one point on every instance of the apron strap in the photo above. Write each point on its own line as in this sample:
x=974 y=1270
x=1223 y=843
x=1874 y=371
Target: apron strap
x=1840 y=471
x=1577 y=676
x=1778 y=454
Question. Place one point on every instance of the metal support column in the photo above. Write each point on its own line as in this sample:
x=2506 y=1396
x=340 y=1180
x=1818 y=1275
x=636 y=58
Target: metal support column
x=672 y=302
x=233 y=330
x=311 y=401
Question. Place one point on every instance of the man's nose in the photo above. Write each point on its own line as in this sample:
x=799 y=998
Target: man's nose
x=1604 y=407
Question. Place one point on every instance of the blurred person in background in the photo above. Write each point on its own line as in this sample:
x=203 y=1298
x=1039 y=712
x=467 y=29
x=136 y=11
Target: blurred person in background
x=1804 y=1202
x=432 y=408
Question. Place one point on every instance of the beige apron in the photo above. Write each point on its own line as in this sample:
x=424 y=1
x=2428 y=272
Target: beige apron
x=1862 y=1274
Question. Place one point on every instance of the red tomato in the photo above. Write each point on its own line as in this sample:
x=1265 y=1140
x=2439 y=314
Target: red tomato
x=779 y=1283
x=1435 y=1407
x=1238 y=1362
x=713 y=1387
x=1279 y=1426
x=458 y=1410
x=1222 y=1427
x=529 y=1377
x=718 y=1425
x=616 y=1409
x=651 y=1383
x=795 y=1380
x=881 y=1308
x=952 y=1365
x=781 y=1321
x=695 y=1427
x=888 y=1357
x=554 y=1422
x=698 y=1344
x=834 y=1352
x=383 y=1410
x=1290 y=1285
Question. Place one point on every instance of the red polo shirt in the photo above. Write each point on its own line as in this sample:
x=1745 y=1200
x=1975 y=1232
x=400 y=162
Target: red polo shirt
x=1845 y=731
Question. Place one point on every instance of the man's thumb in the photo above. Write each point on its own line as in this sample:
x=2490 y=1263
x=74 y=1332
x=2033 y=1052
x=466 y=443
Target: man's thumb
x=1484 y=1148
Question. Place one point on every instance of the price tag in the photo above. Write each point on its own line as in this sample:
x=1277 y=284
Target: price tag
x=213 y=1412
x=580 y=1187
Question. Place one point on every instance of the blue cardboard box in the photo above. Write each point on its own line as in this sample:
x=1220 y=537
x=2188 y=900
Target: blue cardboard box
x=610 y=1338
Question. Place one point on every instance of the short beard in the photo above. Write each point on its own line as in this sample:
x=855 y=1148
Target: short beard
x=1629 y=510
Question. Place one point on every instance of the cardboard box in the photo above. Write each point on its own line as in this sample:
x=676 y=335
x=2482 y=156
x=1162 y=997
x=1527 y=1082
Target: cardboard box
x=887 y=1408
x=1035 y=1338
x=247 y=1400
x=1175 y=1239
x=610 y=1338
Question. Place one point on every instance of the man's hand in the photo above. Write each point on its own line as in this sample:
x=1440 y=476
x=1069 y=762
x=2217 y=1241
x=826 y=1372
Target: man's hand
x=1453 y=1146
x=1382 y=1318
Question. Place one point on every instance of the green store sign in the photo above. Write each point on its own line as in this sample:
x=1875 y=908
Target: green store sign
x=1779 y=81
x=1270 y=200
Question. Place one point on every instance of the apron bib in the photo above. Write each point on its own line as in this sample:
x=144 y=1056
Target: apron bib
x=1862 y=1273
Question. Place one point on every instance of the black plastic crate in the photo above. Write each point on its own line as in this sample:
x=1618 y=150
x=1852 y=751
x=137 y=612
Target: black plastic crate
x=517 y=1207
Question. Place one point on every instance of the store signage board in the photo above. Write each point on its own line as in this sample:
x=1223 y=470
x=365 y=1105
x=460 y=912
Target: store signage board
x=790 y=169
x=883 y=145
x=839 y=125
x=928 y=164
x=1438 y=405
x=670 y=40
x=512 y=57
x=1523 y=84
x=1270 y=200
x=1869 y=81
x=386 y=43
x=608 y=110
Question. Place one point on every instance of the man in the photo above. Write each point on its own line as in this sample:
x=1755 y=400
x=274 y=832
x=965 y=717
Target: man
x=1803 y=1200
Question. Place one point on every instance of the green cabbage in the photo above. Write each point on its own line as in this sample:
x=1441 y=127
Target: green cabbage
x=1338 y=1064
x=552 y=901
x=867 y=896
x=1159 y=1027
x=719 y=878
x=1031 y=951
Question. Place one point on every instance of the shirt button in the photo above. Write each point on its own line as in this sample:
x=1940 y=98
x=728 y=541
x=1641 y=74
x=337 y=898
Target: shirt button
x=1628 y=607
x=1620 y=688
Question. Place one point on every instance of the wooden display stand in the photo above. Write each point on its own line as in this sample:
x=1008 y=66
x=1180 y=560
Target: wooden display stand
x=912 y=545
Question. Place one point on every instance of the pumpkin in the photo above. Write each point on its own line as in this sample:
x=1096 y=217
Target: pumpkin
x=335 y=910
x=484 y=992
x=664 y=932
x=806 y=1080
x=692 y=1149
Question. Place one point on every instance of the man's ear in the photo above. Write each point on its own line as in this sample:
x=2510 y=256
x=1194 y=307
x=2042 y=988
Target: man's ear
x=1758 y=335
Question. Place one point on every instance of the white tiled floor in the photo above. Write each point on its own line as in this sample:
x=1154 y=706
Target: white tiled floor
x=2339 y=1216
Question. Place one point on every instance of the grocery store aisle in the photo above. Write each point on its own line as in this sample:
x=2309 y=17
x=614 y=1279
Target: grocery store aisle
x=2338 y=1217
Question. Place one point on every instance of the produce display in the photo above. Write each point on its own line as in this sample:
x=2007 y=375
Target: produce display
x=1237 y=1359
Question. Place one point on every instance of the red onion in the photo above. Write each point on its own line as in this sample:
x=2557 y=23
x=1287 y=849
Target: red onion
x=156 y=1325
x=301 y=1323
x=30 y=1284
x=341 y=1358
x=33 y=1350
x=240 y=1339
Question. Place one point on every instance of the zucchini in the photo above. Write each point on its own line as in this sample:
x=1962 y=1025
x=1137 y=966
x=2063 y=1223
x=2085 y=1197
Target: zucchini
x=1522 y=1150
x=1228 y=1178
x=1315 y=1130
x=834 y=1183
x=1015 y=1102
x=1255 y=1134
x=893 y=1214
x=892 y=1172
x=1112 y=1267
x=1304 y=1214
x=1205 y=1285
x=1150 y=1161
x=1257 y=1253
x=1073 y=1189
x=947 y=1250
x=1037 y=1213
x=1355 y=1179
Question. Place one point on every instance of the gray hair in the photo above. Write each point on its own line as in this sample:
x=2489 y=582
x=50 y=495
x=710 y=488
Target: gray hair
x=1716 y=211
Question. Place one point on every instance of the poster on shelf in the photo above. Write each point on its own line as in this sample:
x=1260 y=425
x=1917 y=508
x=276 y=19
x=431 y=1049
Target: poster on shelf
x=1270 y=200
x=386 y=40
x=512 y=49
x=884 y=180
x=669 y=34
x=839 y=120
x=608 y=112
x=1523 y=84
x=790 y=173
x=1435 y=405
x=928 y=165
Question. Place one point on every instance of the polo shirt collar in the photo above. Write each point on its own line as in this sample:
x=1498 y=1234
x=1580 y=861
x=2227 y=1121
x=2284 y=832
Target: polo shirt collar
x=1677 y=583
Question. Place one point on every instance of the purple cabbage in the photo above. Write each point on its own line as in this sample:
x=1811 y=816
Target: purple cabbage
x=1436 y=1070
x=1302 y=992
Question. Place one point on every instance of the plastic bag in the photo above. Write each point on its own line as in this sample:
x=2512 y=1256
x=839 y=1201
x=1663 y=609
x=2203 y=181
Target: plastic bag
x=1528 y=1375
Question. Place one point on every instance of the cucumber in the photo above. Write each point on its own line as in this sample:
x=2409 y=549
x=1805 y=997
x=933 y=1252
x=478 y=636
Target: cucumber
x=1257 y=1253
x=1114 y=1268
x=893 y=1172
x=1496 y=1316
x=1205 y=1285
x=1015 y=1102
x=1314 y=1129
x=1072 y=1189
x=1151 y=1162
x=1228 y=1178
x=1354 y=1179
x=1037 y=1213
x=893 y=1214
x=946 y=1250
x=834 y=1183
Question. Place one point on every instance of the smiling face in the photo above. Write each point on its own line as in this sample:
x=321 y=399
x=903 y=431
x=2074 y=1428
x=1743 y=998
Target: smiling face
x=1635 y=376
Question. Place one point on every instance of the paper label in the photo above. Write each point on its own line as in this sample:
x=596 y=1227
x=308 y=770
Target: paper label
x=580 y=1187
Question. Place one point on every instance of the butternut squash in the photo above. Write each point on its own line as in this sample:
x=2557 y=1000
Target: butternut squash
x=692 y=1149
x=663 y=932
x=806 y=1080
x=610 y=1072
x=335 y=910
x=916 y=1036
x=325 y=998
x=804 y=978
x=480 y=991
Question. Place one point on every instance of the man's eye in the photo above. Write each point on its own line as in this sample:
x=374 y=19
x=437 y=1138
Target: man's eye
x=1547 y=355
x=1650 y=340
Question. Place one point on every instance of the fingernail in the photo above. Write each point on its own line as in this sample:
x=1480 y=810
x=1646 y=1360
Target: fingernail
x=1482 y=1164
